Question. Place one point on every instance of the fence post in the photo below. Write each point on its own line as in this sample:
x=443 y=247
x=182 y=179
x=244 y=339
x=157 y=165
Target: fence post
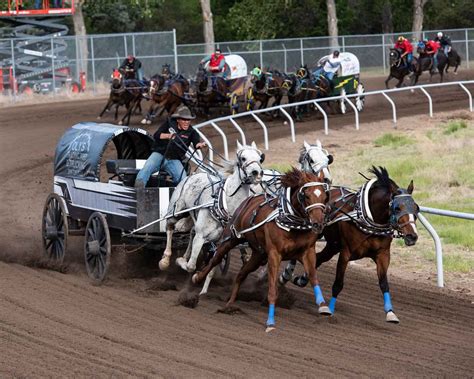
x=343 y=44
x=383 y=54
x=467 y=47
x=52 y=66
x=261 y=54
x=133 y=45
x=285 y=58
x=301 y=51
x=125 y=47
x=175 y=52
x=93 y=66
x=13 y=82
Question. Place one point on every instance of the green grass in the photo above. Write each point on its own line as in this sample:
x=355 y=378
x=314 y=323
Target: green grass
x=281 y=167
x=393 y=140
x=453 y=263
x=454 y=126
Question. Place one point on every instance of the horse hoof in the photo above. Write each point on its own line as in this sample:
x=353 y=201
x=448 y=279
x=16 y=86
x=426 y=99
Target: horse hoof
x=164 y=264
x=120 y=123
x=324 y=310
x=99 y=118
x=143 y=122
x=392 y=317
x=270 y=329
x=194 y=278
x=181 y=262
x=148 y=122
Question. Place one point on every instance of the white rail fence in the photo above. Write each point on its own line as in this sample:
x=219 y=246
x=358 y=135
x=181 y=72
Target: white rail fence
x=232 y=119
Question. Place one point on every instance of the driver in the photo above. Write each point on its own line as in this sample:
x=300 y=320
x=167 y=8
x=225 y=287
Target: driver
x=216 y=66
x=330 y=67
x=169 y=149
x=132 y=68
x=444 y=41
x=407 y=50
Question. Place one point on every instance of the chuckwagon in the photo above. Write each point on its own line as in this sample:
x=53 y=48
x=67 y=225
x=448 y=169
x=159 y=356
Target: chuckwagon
x=347 y=81
x=104 y=206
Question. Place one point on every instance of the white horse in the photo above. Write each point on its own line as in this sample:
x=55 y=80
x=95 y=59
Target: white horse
x=219 y=198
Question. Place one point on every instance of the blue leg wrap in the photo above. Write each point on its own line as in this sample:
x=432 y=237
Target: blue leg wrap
x=271 y=315
x=318 y=295
x=387 y=302
x=332 y=304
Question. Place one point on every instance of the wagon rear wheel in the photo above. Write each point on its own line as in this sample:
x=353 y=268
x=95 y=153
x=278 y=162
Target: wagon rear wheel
x=250 y=99
x=54 y=228
x=97 y=247
x=342 y=103
x=234 y=104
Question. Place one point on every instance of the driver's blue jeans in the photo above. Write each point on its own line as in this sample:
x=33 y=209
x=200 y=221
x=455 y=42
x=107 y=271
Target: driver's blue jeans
x=155 y=162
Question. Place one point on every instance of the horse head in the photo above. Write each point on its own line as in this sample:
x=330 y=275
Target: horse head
x=255 y=74
x=249 y=163
x=401 y=212
x=156 y=85
x=315 y=159
x=288 y=82
x=166 y=70
x=117 y=79
x=395 y=57
x=201 y=78
x=302 y=72
x=309 y=195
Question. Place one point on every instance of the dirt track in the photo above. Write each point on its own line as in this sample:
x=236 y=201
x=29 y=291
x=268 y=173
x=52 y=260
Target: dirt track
x=58 y=324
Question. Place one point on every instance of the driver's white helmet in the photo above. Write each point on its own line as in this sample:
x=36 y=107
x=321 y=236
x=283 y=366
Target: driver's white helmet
x=440 y=34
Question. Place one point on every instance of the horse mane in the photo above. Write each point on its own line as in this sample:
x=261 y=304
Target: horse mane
x=294 y=177
x=383 y=179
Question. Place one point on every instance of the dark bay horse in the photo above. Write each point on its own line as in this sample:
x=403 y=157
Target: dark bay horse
x=123 y=93
x=398 y=68
x=454 y=60
x=425 y=63
x=362 y=225
x=165 y=95
x=210 y=96
x=278 y=229
x=265 y=85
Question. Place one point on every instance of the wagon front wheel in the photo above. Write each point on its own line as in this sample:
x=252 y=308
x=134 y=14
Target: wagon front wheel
x=54 y=228
x=360 y=99
x=97 y=247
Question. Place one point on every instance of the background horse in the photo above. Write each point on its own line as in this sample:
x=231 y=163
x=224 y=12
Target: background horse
x=398 y=68
x=275 y=235
x=425 y=63
x=123 y=93
x=265 y=85
x=217 y=95
x=454 y=60
x=219 y=199
x=363 y=225
x=165 y=96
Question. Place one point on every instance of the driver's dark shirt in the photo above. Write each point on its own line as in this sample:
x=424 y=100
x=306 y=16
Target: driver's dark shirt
x=178 y=145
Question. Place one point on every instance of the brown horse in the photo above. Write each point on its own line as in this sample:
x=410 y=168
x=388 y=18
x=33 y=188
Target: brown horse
x=165 y=95
x=278 y=229
x=207 y=95
x=265 y=85
x=123 y=93
x=363 y=225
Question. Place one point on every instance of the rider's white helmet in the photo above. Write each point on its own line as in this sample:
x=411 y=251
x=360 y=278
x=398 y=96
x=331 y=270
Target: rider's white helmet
x=440 y=34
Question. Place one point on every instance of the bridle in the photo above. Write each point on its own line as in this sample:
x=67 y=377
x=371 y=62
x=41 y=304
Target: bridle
x=316 y=167
x=410 y=207
x=242 y=165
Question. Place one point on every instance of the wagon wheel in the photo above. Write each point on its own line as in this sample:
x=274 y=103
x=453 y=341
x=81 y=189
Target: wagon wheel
x=54 y=228
x=234 y=105
x=342 y=103
x=97 y=247
x=360 y=100
x=250 y=99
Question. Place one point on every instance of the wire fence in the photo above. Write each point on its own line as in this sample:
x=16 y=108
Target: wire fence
x=49 y=62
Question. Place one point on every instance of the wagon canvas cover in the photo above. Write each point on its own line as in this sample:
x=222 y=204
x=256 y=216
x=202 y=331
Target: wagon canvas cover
x=80 y=149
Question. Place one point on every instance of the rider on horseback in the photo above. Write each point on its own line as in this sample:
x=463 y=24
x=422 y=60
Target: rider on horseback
x=330 y=67
x=216 y=67
x=431 y=49
x=407 y=51
x=444 y=41
x=132 y=68
x=169 y=150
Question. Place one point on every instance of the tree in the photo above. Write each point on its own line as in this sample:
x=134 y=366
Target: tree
x=81 y=37
x=418 y=15
x=332 y=24
x=208 y=26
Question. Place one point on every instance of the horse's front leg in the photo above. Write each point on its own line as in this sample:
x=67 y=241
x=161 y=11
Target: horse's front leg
x=109 y=103
x=342 y=262
x=382 y=261
x=165 y=260
x=182 y=261
x=387 y=80
x=149 y=115
x=309 y=263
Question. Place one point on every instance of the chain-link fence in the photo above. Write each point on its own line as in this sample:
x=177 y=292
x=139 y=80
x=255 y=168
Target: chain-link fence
x=47 y=63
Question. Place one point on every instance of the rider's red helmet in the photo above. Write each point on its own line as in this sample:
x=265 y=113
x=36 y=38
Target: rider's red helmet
x=130 y=57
